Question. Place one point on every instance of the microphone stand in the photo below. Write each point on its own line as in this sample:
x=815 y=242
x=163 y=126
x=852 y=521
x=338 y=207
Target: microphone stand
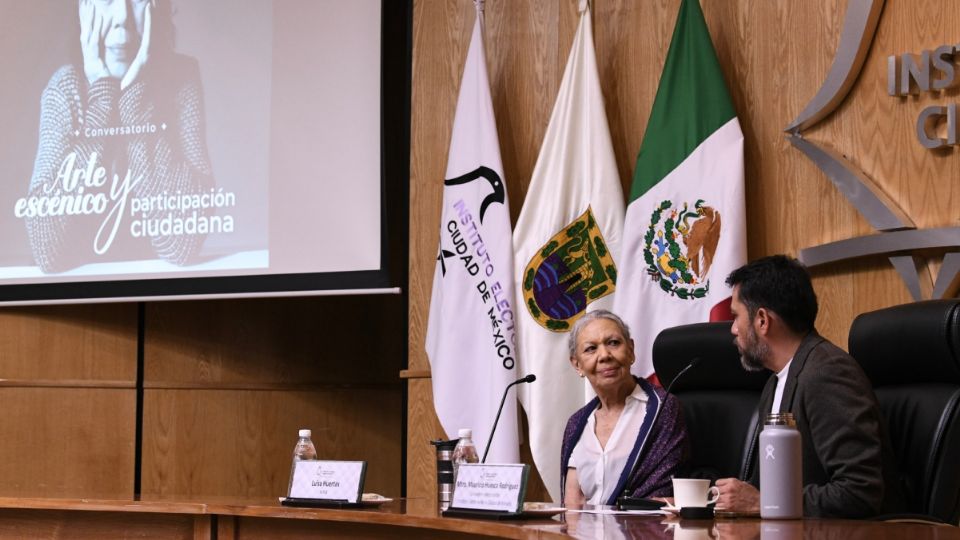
x=626 y=502
x=528 y=379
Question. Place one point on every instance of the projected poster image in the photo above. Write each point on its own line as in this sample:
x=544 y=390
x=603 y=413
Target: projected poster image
x=146 y=139
x=134 y=171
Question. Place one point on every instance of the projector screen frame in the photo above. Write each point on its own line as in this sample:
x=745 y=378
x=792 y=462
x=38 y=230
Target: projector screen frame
x=389 y=278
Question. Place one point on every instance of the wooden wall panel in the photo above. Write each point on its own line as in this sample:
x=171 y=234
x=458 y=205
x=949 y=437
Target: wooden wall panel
x=80 y=343
x=330 y=340
x=422 y=427
x=239 y=370
x=67 y=442
x=228 y=383
x=67 y=378
x=774 y=55
x=239 y=443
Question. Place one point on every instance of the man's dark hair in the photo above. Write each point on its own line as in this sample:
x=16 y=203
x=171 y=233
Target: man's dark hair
x=780 y=284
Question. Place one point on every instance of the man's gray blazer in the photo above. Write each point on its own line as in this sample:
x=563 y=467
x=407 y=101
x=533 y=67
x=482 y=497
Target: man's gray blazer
x=848 y=463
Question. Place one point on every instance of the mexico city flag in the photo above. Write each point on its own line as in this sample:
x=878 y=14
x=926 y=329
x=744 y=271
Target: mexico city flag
x=685 y=227
x=470 y=334
x=566 y=240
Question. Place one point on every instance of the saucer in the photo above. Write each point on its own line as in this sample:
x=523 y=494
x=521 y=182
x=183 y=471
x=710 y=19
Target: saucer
x=542 y=509
x=373 y=499
x=670 y=508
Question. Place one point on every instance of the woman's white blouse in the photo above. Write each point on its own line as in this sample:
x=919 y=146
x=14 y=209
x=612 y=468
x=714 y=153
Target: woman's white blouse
x=599 y=469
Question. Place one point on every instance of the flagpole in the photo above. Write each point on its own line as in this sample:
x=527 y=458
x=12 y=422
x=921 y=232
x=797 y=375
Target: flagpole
x=478 y=5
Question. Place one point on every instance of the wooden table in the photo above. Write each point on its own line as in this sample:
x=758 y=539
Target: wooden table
x=235 y=519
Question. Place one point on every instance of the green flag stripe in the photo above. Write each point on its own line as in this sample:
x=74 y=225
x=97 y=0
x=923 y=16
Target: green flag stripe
x=692 y=101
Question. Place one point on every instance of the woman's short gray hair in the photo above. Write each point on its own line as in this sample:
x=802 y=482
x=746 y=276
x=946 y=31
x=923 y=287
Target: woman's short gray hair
x=588 y=318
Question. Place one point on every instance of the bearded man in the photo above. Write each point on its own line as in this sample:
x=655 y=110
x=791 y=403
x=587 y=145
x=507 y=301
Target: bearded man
x=848 y=463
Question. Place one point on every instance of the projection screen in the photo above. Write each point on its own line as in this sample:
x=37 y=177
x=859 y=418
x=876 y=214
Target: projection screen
x=157 y=149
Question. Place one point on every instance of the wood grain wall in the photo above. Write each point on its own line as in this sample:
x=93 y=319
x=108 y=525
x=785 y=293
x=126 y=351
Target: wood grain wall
x=228 y=383
x=225 y=386
x=774 y=53
x=68 y=401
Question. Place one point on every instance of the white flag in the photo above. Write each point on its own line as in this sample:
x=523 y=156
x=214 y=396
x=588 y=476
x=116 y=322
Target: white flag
x=566 y=241
x=685 y=229
x=470 y=334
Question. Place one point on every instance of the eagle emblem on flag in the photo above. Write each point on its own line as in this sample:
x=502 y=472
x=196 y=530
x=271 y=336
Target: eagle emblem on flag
x=571 y=270
x=679 y=247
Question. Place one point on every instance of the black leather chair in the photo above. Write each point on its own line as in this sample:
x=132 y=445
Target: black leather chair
x=719 y=397
x=910 y=353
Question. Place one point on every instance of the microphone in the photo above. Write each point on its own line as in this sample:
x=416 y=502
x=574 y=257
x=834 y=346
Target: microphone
x=528 y=379
x=676 y=378
x=626 y=502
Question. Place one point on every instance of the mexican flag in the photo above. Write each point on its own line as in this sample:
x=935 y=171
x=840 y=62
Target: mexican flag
x=685 y=225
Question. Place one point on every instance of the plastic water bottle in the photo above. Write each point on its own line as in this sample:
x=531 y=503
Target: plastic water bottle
x=465 y=452
x=302 y=451
x=781 y=468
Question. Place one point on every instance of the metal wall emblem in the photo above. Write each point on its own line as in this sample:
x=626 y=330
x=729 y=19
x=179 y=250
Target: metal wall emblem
x=897 y=236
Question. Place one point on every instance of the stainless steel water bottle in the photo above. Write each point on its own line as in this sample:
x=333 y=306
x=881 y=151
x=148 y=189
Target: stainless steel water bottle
x=781 y=468
x=444 y=472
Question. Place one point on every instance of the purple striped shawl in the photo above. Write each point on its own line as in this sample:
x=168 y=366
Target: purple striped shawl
x=662 y=450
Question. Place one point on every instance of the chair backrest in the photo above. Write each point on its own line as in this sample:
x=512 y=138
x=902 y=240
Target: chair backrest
x=910 y=353
x=719 y=397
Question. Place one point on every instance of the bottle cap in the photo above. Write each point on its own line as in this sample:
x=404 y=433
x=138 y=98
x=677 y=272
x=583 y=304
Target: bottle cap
x=465 y=433
x=781 y=419
x=305 y=433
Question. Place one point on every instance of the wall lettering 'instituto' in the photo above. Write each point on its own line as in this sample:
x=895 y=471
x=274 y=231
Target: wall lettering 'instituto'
x=930 y=71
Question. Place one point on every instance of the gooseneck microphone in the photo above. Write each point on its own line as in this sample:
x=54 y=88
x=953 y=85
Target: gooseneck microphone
x=626 y=502
x=690 y=366
x=528 y=379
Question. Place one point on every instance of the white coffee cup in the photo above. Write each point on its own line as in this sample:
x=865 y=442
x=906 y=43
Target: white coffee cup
x=693 y=492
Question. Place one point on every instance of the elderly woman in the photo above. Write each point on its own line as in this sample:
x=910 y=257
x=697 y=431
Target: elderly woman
x=630 y=439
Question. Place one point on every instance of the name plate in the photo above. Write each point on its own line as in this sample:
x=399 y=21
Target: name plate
x=498 y=488
x=328 y=480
